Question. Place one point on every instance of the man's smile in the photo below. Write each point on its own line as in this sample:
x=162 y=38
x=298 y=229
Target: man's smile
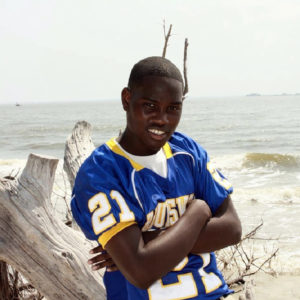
x=157 y=134
x=156 y=131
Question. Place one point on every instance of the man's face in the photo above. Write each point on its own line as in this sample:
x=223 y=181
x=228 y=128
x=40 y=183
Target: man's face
x=153 y=113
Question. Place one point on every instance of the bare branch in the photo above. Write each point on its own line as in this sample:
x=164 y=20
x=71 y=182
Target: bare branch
x=11 y=176
x=241 y=261
x=186 y=86
x=263 y=263
x=166 y=38
x=186 y=44
x=253 y=232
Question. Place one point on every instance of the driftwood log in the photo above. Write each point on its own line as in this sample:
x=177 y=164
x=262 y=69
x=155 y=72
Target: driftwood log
x=49 y=254
x=78 y=147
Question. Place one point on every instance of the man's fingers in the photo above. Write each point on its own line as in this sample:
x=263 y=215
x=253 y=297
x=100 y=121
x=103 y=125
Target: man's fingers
x=107 y=263
x=101 y=260
x=97 y=249
x=98 y=258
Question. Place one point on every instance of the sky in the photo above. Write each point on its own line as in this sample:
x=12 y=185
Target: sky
x=71 y=50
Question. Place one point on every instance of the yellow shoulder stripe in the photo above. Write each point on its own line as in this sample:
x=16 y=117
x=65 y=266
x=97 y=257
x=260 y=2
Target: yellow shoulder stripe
x=106 y=236
x=115 y=148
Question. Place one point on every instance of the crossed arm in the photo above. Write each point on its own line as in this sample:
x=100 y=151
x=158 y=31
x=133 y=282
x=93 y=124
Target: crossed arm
x=222 y=230
x=158 y=252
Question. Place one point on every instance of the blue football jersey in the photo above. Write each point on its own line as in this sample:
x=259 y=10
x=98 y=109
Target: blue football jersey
x=115 y=285
x=113 y=192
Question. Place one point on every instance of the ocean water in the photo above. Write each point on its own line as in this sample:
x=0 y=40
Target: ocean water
x=254 y=141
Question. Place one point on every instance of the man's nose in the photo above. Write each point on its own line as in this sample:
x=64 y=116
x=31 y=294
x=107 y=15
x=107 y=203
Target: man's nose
x=161 y=118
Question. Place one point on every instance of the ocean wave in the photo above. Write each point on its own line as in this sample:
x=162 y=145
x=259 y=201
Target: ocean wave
x=278 y=208
x=275 y=195
x=260 y=161
x=270 y=160
x=12 y=162
x=255 y=140
x=251 y=170
x=11 y=166
x=42 y=145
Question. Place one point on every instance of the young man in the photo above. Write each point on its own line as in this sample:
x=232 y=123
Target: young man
x=152 y=199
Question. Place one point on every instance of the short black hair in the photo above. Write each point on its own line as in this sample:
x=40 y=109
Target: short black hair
x=153 y=66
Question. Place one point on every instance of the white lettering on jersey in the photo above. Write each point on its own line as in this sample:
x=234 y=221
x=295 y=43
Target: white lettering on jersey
x=167 y=213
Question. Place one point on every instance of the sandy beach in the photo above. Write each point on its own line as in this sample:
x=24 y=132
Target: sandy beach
x=267 y=287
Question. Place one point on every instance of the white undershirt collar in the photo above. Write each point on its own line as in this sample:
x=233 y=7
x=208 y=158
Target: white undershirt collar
x=156 y=162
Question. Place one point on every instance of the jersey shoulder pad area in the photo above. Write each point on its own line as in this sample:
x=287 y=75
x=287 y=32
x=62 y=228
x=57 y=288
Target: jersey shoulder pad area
x=101 y=200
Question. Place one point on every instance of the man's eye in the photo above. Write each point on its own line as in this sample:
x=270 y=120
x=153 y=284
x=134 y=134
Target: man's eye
x=174 y=108
x=149 y=105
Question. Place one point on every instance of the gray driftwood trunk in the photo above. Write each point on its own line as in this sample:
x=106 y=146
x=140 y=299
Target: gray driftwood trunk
x=78 y=147
x=52 y=256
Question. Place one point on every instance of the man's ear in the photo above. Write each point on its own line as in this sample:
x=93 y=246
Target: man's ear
x=125 y=95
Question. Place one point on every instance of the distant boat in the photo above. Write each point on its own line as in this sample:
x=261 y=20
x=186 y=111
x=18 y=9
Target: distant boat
x=18 y=104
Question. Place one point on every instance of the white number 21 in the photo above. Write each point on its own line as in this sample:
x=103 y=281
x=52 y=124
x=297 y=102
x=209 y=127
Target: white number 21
x=101 y=209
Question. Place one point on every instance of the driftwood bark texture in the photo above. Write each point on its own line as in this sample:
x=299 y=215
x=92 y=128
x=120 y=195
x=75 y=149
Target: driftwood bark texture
x=49 y=254
x=78 y=147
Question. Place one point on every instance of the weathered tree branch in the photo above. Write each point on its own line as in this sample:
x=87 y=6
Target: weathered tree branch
x=186 y=85
x=186 y=44
x=49 y=254
x=167 y=36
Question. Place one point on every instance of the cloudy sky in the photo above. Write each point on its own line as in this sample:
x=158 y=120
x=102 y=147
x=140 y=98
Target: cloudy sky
x=67 y=50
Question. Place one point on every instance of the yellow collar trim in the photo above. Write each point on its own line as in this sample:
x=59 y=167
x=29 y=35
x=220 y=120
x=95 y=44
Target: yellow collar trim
x=168 y=151
x=113 y=146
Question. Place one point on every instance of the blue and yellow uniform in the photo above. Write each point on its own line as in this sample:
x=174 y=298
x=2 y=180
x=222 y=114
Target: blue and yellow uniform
x=113 y=192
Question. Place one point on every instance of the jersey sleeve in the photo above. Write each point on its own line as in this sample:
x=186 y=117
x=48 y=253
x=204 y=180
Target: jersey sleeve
x=100 y=204
x=210 y=184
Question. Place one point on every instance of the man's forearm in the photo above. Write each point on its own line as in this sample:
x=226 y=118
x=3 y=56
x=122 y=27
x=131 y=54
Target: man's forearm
x=223 y=230
x=217 y=234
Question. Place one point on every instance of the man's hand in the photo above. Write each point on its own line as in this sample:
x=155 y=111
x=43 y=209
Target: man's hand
x=101 y=260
